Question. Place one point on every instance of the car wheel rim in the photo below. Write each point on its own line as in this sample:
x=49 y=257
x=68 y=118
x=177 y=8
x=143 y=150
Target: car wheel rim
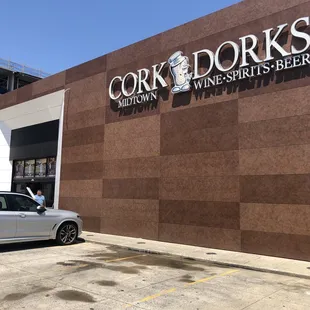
x=68 y=234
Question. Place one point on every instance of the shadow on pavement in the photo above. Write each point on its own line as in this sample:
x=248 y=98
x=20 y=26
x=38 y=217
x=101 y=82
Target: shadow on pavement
x=13 y=247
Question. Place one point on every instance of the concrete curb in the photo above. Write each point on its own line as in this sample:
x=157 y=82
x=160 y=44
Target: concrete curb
x=213 y=262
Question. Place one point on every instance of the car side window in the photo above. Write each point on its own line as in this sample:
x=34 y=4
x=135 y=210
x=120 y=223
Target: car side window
x=3 y=204
x=22 y=203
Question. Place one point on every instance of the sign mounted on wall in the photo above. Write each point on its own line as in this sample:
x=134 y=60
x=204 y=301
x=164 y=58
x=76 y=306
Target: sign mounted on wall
x=144 y=83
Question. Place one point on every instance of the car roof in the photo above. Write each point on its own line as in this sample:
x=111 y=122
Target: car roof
x=12 y=193
x=8 y=192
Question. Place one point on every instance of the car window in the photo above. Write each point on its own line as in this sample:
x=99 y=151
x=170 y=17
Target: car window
x=22 y=203
x=3 y=204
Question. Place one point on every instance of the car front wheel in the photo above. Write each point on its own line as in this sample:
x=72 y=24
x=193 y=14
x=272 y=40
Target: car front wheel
x=67 y=234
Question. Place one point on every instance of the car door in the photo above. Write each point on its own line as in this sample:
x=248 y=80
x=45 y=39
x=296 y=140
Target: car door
x=8 y=219
x=30 y=222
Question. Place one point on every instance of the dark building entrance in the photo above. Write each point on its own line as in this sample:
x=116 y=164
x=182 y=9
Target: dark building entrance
x=46 y=186
x=33 y=152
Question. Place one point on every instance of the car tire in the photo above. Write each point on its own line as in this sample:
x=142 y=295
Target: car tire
x=67 y=233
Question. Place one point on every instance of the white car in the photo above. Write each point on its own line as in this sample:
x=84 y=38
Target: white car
x=23 y=219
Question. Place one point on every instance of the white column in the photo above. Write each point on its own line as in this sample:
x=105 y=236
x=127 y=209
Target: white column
x=5 y=164
x=59 y=152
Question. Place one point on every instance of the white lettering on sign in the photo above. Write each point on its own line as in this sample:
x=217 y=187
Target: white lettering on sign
x=218 y=64
x=300 y=35
x=157 y=76
x=143 y=80
x=137 y=99
x=134 y=77
x=272 y=42
x=249 y=50
x=142 y=86
x=196 y=63
x=112 y=84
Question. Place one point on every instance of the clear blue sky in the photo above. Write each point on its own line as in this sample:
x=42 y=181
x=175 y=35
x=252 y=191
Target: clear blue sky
x=53 y=35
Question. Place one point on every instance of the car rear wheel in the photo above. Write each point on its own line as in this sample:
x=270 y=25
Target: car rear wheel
x=67 y=234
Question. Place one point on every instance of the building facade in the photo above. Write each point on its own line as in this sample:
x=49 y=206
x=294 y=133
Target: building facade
x=199 y=135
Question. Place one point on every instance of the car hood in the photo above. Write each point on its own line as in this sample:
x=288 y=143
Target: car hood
x=60 y=212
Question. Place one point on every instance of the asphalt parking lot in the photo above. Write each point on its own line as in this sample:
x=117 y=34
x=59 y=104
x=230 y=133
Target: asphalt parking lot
x=93 y=276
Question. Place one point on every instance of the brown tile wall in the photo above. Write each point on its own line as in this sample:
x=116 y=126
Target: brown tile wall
x=49 y=84
x=224 y=168
x=229 y=239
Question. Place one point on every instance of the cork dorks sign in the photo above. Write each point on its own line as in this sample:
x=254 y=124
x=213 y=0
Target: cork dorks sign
x=142 y=86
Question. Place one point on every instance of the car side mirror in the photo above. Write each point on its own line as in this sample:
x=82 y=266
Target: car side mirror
x=41 y=209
